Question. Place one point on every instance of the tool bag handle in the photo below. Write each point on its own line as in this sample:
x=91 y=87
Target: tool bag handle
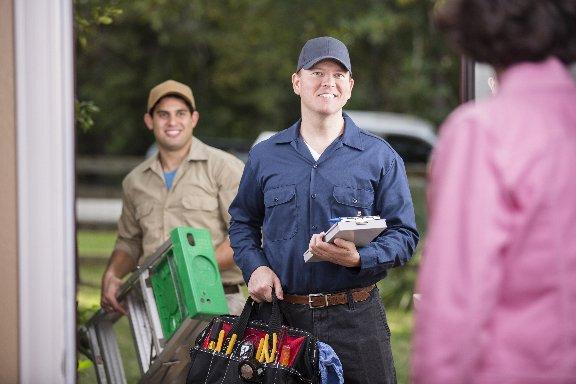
x=241 y=323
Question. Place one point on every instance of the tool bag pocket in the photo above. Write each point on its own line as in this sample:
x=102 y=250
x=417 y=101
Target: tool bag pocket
x=233 y=349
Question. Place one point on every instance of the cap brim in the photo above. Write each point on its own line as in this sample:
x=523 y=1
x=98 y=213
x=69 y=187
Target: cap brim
x=172 y=93
x=311 y=63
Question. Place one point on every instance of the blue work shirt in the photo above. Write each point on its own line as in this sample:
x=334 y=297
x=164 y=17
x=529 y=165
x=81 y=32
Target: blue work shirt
x=286 y=197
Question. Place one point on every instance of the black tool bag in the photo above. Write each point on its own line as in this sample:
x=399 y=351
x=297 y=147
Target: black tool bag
x=258 y=353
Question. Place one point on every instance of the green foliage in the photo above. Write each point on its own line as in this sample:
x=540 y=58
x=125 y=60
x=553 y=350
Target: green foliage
x=88 y=16
x=84 y=364
x=238 y=57
x=84 y=111
x=85 y=312
x=397 y=288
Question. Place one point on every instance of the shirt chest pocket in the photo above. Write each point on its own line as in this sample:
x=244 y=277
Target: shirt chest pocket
x=143 y=210
x=350 y=201
x=144 y=217
x=199 y=211
x=280 y=220
x=199 y=203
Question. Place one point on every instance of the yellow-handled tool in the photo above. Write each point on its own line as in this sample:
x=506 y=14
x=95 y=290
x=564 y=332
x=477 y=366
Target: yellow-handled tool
x=220 y=341
x=231 y=343
x=274 y=345
x=259 y=350
x=265 y=356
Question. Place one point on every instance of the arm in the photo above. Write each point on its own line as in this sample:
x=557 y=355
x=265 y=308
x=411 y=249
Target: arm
x=124 y=258
x=119 y=265
x=392 y=200
x=247 y=212
x=228 y=176
x=224 y=255
x=460 y=275
x=394 y=246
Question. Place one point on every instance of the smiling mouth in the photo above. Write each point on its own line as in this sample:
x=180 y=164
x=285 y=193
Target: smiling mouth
x=327 y=95
x=172 y=132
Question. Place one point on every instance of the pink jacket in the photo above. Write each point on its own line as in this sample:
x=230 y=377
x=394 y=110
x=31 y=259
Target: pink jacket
x=498 y=279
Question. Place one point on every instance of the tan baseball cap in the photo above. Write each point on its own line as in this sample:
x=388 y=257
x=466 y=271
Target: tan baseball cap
x=170 y=87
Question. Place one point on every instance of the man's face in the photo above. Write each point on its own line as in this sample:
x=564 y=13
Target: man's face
x=172 y=123
x=325 y=88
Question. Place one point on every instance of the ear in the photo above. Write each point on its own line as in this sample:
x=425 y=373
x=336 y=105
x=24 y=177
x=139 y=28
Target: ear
x=195 y=117
x=351 y=87
x=296 y=83
x=148 y=121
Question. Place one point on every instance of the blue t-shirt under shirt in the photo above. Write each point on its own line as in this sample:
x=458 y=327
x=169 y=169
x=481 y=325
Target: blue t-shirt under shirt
x=169 y=178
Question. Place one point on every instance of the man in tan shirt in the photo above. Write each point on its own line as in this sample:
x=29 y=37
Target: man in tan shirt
x=188 y=183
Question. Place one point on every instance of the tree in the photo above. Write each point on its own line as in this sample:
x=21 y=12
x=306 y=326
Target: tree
x=238 y=57
x=88 y=16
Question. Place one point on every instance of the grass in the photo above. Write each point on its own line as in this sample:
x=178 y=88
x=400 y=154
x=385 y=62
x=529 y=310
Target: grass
x=400 y=323
x=94 y=250
x=96 y=243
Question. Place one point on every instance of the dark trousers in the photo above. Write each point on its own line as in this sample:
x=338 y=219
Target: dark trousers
x=358 y=332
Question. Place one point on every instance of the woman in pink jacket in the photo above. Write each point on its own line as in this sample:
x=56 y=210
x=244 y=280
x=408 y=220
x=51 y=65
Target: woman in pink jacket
x=498 y=279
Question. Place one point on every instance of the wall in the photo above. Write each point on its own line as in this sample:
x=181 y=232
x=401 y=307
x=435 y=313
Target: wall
x=8 y=202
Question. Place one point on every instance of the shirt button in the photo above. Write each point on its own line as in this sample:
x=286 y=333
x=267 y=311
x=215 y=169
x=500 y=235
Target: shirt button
x=314 y=227
x=314 y=195
x=315 y=166
x=275 y=199
x=354 y=200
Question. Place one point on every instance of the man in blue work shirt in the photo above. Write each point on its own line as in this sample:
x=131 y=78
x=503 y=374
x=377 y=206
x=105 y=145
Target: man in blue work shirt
x=322 y=167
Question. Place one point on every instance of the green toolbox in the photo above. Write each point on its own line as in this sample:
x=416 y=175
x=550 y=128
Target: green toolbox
x=186 y=281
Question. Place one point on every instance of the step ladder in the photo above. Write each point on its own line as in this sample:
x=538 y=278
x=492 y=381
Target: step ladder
x=160 y=359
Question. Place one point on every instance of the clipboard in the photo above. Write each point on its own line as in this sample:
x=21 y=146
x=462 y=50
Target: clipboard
x=360 y=230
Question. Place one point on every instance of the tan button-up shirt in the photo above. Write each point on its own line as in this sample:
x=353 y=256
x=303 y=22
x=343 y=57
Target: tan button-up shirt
x=204 y=186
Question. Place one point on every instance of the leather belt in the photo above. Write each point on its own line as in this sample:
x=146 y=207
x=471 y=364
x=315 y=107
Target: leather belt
x=320 y=300
x=229 y=289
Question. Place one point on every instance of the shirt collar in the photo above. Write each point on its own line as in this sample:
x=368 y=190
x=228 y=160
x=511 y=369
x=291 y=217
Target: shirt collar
x=153 y=163
x=533 y=75
x=197 y=152
x=351 y=136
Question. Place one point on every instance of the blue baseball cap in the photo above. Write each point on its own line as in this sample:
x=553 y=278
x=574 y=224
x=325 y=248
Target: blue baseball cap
x=322 y=48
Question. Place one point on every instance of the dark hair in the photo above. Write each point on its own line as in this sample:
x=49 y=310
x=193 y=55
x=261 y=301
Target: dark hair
x=504 y=32
x=175 y=95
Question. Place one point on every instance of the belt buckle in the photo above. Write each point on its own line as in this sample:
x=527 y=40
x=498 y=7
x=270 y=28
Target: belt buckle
x=312 y=295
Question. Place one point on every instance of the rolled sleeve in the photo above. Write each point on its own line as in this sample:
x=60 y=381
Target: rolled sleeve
x=129 y=237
